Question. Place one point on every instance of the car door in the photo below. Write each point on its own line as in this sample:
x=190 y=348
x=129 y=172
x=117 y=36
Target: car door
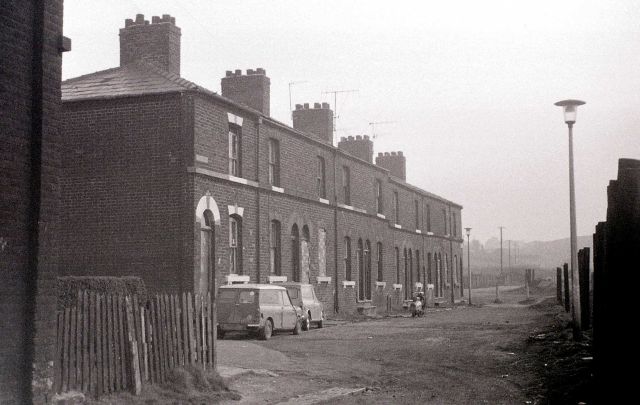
x=226 y=306
x=289 y=314
x=271 y=306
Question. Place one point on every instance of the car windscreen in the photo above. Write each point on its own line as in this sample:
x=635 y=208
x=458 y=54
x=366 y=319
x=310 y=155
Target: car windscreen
x=294 y=294
x=307 y=293
x=271 y=297
x=226 y=296
x=247 y=297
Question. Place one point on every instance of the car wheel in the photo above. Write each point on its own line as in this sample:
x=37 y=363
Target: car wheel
x=266 y=331
x=321 y=319
x=220 y=334
x=306 y=322
x=297 y=328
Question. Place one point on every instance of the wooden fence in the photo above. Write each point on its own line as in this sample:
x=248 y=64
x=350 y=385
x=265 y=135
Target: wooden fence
x=108 y=343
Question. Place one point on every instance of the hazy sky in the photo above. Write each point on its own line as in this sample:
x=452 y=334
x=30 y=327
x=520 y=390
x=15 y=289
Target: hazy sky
x=468 y=85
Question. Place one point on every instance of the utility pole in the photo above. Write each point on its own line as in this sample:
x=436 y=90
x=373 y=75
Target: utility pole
x=509 y=268
x=501 y=270
x=290 y=105
x=335 y=105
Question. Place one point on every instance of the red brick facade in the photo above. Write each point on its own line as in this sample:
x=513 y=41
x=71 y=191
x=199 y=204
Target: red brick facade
x=30 y=63
x=147 y=166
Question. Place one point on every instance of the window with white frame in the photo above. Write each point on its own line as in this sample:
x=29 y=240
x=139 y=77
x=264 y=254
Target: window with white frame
x=235 y=163
x=321 y=178
x=274 y=248
x=235 y=245
x=378 y=191
x=274 y=162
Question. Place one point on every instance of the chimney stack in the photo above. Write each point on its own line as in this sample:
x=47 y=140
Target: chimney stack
x=252 y=89
x=360 y=147
x=157 y=43
x=396 y=163
x=316 y=121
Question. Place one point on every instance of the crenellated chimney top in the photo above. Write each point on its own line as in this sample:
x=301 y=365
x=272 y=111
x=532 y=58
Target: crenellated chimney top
x=157 y=43
x=252 y=89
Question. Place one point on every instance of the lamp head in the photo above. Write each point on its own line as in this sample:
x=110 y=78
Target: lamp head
x=468 y=230
x=570 y=108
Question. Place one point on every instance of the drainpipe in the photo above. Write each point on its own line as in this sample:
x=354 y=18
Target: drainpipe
x=336 y=306
x=453 y=294
x=258 y=124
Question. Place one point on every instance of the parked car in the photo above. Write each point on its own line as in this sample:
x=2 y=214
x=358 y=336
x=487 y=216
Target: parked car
x=304 y=297
x=261 y=308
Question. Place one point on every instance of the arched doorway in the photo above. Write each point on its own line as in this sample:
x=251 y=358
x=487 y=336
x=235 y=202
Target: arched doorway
x=207 y=217
x=295 y=253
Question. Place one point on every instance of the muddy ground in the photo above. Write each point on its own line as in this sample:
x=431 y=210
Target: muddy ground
x=517 y=352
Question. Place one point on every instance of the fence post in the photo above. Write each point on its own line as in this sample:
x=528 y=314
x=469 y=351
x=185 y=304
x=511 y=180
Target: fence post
x=559 y=285
x=567 y=295
x=583 y=268
x=133 y=349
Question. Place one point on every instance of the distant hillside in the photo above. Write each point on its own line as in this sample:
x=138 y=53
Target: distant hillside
x=537 y=254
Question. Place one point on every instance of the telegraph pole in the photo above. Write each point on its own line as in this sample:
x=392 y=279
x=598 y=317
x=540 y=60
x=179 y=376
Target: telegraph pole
x=501 y=270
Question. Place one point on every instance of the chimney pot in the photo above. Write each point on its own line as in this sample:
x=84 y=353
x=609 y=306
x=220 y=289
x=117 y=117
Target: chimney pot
x=359 y=137
x=155 y=19
x=250 y=71
x=343 y=139
x=173 y=20
x=261 y=71
x=229 y=73
x=380 y=154
x=238 y=72
x=166 y=18
x=317 y=105
x=366 y=137
x=298 y=106
x=325 y=105
x=350 y=138
x=399 y=153
x=393 y=153
x=387 y=154
x=139 y=18
x=128 y=22
x=306 y=106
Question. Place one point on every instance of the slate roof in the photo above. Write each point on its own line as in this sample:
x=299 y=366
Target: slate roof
x=130 y=80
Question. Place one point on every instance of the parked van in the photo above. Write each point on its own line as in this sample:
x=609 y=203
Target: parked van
x=304 y=297
x=261 y=308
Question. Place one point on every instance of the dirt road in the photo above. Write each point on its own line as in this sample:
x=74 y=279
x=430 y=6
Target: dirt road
x=460 y=355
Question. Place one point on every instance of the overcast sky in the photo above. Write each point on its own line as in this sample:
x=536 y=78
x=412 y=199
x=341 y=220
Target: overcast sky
x=468 y=87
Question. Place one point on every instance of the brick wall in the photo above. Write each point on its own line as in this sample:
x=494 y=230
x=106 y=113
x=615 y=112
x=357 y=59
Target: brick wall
x=124 y=188
x=28 y=202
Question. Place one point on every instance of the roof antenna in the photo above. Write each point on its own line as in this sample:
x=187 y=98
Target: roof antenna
x=335 y=107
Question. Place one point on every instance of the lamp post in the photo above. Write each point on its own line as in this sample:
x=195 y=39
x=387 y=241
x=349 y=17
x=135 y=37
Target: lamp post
x=570 y=111
x=468 y=230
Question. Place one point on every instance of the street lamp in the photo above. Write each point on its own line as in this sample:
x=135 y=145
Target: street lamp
x=570 y=111
x=468 y=230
